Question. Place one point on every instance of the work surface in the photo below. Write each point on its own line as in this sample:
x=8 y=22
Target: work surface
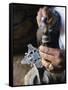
x=19 y=70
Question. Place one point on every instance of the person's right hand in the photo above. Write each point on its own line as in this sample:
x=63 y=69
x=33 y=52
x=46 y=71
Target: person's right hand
x=52 y=58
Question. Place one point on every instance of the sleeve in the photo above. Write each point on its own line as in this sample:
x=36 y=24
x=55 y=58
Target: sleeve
x=61 y=11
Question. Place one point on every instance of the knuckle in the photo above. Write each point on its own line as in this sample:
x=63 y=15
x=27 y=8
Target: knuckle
x=58 y=61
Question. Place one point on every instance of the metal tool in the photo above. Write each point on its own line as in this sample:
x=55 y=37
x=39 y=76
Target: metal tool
x=32 y=57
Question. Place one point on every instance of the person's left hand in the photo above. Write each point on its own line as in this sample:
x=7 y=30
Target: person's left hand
x=51 y=58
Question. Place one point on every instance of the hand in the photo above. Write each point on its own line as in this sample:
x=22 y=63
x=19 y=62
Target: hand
x=38 y=17
x=51 y=59
x=41 y=13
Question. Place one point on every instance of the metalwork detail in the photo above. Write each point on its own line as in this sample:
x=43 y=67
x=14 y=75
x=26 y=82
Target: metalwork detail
x=32 y=57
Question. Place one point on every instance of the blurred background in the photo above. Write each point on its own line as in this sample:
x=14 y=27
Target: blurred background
x=24 y=26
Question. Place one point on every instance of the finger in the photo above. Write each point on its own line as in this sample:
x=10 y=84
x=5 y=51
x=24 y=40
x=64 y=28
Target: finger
x=49 y=50
x=44 y=12
x=45 y=56
x=39 y=12
x=38 y=17
x=55 y=61
x=45 y=63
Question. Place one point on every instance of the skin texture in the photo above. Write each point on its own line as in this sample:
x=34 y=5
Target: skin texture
x=51 y=58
